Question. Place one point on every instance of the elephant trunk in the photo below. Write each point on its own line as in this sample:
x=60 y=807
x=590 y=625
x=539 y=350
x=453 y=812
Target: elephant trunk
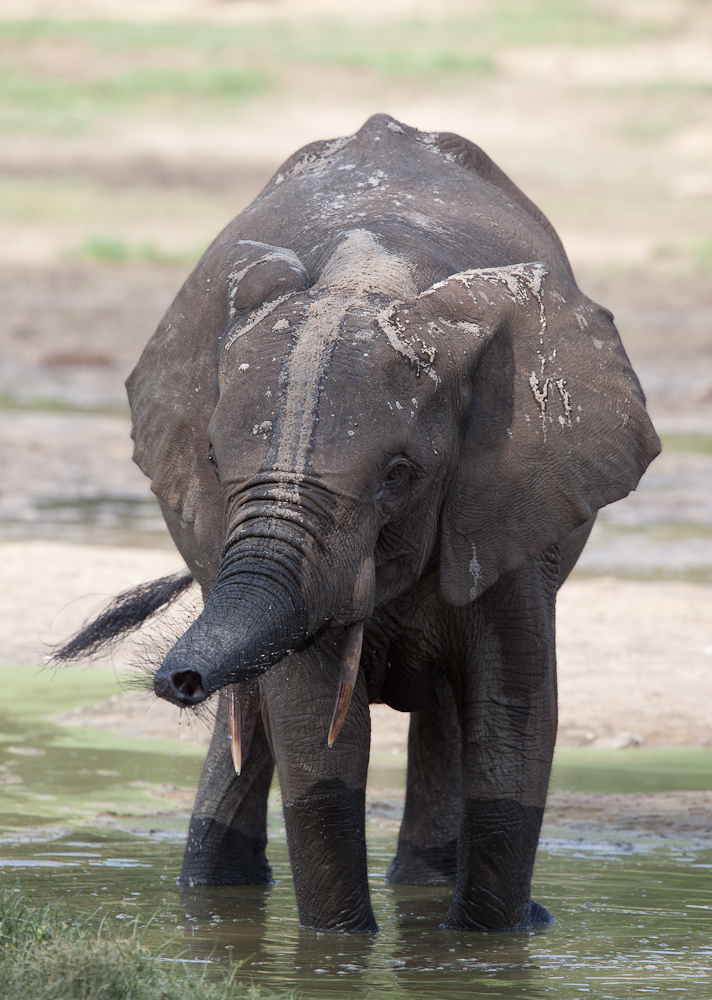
x=276 y=590
x=253 y=618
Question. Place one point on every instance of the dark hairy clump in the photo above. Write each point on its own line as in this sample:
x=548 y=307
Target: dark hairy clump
x=127 y=612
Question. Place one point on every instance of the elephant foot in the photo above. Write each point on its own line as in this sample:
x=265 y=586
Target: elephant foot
x=536 y=915
x=423 y=865
x=539 y=914
x=217 y=854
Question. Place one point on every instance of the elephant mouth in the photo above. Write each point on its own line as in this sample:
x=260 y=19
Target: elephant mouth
x=350 y=660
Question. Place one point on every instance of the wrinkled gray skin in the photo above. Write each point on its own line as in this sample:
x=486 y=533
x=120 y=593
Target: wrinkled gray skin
x=381 y=397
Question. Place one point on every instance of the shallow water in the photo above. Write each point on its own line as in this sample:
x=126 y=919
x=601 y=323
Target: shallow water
x=98 y=822
x=631 y=921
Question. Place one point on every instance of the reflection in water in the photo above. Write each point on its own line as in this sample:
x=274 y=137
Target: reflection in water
x=633 y=916
x=227 y=923
x=630 y=923
x=257 y=928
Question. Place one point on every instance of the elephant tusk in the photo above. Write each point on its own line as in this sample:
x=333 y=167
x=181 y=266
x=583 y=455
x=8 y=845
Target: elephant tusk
x=350 y=659
x=234 y=724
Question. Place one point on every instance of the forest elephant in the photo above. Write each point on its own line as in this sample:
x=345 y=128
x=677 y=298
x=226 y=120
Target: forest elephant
x=380 y=418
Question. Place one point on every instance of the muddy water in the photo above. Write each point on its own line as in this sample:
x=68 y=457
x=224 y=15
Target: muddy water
x=632 y=921
x=99 y=822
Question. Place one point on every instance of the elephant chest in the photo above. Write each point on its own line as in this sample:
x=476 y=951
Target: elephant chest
x=404 y=651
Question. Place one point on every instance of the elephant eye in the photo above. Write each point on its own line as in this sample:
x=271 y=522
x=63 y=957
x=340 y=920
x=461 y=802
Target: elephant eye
x=395 y=475
x=212 y=460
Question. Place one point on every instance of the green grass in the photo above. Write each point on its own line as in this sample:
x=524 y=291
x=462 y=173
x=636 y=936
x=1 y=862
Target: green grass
x=201 y=69
x=642 y=769
x=47 y=404
x=684 y=89
x=48 y=101
x=49 y=953
x=501 y=22
x=112 y=250
x=653 y=126
x=701 y=253
x=700 y=444
x=695 y=256
x=89 y=202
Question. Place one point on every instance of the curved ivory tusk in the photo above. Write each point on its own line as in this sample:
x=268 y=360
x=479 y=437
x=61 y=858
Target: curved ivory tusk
x=234 y=724
x=350 y=659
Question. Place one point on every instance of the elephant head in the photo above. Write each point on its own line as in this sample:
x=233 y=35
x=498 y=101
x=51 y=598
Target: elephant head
x=325 y=433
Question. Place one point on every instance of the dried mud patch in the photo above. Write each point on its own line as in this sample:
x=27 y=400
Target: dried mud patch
x=663 y=814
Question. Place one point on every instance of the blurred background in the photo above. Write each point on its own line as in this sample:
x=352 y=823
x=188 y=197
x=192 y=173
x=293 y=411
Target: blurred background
x=131 y=131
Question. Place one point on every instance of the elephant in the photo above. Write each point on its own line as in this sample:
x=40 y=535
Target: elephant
x=380 y=418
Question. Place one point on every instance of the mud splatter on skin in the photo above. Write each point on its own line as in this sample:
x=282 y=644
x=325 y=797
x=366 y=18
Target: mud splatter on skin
x=475 y=572
x=359 y=269
x=387 y=321
x=521 y=280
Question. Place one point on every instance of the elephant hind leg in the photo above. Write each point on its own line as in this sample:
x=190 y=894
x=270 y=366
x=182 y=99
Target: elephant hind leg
x=427 y=843
x=228 y=828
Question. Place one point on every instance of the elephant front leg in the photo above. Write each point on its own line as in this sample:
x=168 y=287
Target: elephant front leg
x=323 y=788
x=228 y=829
x=507 y=703
x=427 y=842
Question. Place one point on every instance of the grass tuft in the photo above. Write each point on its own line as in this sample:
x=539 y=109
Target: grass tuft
x=695 y=256
x=700 y=444
x=46 y=956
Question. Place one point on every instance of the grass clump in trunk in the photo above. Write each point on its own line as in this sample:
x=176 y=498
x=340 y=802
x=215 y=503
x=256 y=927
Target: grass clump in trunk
x=47 y=957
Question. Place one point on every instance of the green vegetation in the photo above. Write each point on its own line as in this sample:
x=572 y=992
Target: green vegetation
x=61 y=76
x=702 y=256
x=53 y=405
x=501 y=22
x=639 y=769
x=48 y=953
x=67 y=198
x=701 y=444
x=697 y=256
x=111 y=250
x=50 y=101
x=654 y=126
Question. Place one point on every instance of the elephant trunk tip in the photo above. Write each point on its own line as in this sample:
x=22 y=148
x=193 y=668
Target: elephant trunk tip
x=183 y=687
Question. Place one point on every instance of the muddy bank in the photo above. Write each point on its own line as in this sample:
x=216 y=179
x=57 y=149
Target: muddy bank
x=666 y=814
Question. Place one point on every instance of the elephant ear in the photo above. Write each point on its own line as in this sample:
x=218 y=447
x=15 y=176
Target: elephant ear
x=555 y=422
x=173 y=389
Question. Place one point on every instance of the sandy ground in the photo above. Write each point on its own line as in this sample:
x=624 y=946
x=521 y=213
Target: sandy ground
x=635 y=658
x=635 y=667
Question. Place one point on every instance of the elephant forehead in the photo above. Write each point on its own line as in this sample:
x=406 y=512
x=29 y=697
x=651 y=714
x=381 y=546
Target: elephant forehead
x=332 y=396
x=336 y=354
